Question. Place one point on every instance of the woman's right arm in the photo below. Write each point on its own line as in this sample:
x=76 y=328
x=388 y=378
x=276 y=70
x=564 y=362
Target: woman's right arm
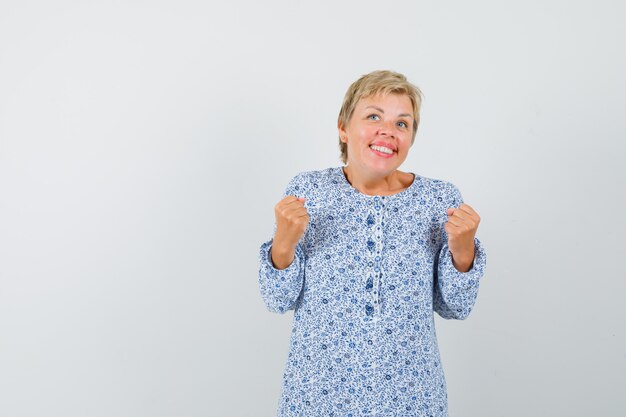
x=280 y=288
x=282 y=260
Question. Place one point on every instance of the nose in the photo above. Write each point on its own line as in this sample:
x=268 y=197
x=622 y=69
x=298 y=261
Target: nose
x=387 y=128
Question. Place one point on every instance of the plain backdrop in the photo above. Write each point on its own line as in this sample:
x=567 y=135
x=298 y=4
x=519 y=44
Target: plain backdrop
x=144 y=144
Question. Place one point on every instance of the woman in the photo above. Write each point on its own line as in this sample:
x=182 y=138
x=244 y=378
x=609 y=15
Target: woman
x=364 y=254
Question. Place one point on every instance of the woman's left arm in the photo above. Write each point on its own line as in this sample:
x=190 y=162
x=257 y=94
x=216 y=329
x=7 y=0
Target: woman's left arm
x=460 y=263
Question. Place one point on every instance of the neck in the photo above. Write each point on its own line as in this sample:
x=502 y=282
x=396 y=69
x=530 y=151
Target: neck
x=373 y=184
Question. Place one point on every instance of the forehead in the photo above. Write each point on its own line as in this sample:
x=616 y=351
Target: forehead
x=391 y=101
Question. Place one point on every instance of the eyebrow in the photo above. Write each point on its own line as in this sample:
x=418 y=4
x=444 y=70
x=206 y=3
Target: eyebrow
x=382 y=111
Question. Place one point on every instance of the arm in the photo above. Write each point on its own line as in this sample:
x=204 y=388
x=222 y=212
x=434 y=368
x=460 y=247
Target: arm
x=281 y=270
x=455 y=292
x=280 y=288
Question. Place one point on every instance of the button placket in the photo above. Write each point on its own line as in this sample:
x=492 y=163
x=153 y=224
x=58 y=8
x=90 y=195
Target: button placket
x=378 y=211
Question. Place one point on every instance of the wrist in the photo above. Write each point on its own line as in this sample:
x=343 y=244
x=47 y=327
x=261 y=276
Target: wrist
x=281 y=248
x=281 y=260
x=463 y=261
x=462 y=265
x=282 y=256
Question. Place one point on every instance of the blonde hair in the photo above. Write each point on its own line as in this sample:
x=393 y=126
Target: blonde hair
x=374 y=83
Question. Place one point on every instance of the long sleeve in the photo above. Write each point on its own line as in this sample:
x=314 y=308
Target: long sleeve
x=280 y=288
x=455 y=292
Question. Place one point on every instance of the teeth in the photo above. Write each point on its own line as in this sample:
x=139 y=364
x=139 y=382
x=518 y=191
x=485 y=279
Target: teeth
x=382 y=149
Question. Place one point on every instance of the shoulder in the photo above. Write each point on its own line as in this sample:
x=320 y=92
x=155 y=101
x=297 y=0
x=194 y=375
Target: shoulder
x=441 y=191
x=305 y=182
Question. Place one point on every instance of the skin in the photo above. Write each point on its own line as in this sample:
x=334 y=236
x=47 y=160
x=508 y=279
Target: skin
x=387 y=118
x=382 y=117
x=292 y=219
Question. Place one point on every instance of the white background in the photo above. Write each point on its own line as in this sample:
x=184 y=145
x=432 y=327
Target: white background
x=144 y=144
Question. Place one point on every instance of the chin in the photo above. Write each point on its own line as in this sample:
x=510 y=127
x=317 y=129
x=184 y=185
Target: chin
x=383 y=169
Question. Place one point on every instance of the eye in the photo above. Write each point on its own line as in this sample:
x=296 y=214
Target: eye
x=403 y=124
x=373 y=117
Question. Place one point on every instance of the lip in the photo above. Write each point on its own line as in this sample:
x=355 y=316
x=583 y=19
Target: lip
x=385 y=144
x=383 y=155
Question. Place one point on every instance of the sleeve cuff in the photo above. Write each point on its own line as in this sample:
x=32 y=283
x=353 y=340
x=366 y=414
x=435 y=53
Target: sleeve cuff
x=266 y=257
x=280 y=288
x=447 y=268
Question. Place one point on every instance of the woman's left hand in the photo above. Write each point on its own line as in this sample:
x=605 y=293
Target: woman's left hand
x=461 y=229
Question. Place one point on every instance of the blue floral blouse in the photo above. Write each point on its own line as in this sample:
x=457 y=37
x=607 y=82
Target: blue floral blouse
x=367 y=275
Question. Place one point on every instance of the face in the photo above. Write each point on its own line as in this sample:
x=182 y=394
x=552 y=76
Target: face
x=379 y=134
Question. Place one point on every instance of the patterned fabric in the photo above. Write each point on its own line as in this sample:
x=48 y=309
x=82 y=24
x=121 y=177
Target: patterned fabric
x=367 y=275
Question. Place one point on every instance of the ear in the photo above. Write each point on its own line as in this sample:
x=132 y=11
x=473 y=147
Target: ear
x=343 y=136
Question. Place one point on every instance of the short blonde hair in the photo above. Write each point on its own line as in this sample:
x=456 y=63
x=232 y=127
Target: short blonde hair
x=377 y=82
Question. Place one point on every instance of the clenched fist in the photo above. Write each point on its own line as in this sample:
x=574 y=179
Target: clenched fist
x=292 y=219
x=461 y=229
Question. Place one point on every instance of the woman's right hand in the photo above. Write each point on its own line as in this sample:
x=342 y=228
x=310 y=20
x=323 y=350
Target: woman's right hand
x=292 y=219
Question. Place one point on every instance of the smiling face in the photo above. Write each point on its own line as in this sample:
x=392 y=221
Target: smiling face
x=379 y=133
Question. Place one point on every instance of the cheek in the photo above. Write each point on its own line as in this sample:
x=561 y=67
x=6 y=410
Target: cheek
x=366 y=133
x=406 y=145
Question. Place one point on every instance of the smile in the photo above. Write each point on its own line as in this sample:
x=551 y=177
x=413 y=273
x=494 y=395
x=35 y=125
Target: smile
x=382 y=149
